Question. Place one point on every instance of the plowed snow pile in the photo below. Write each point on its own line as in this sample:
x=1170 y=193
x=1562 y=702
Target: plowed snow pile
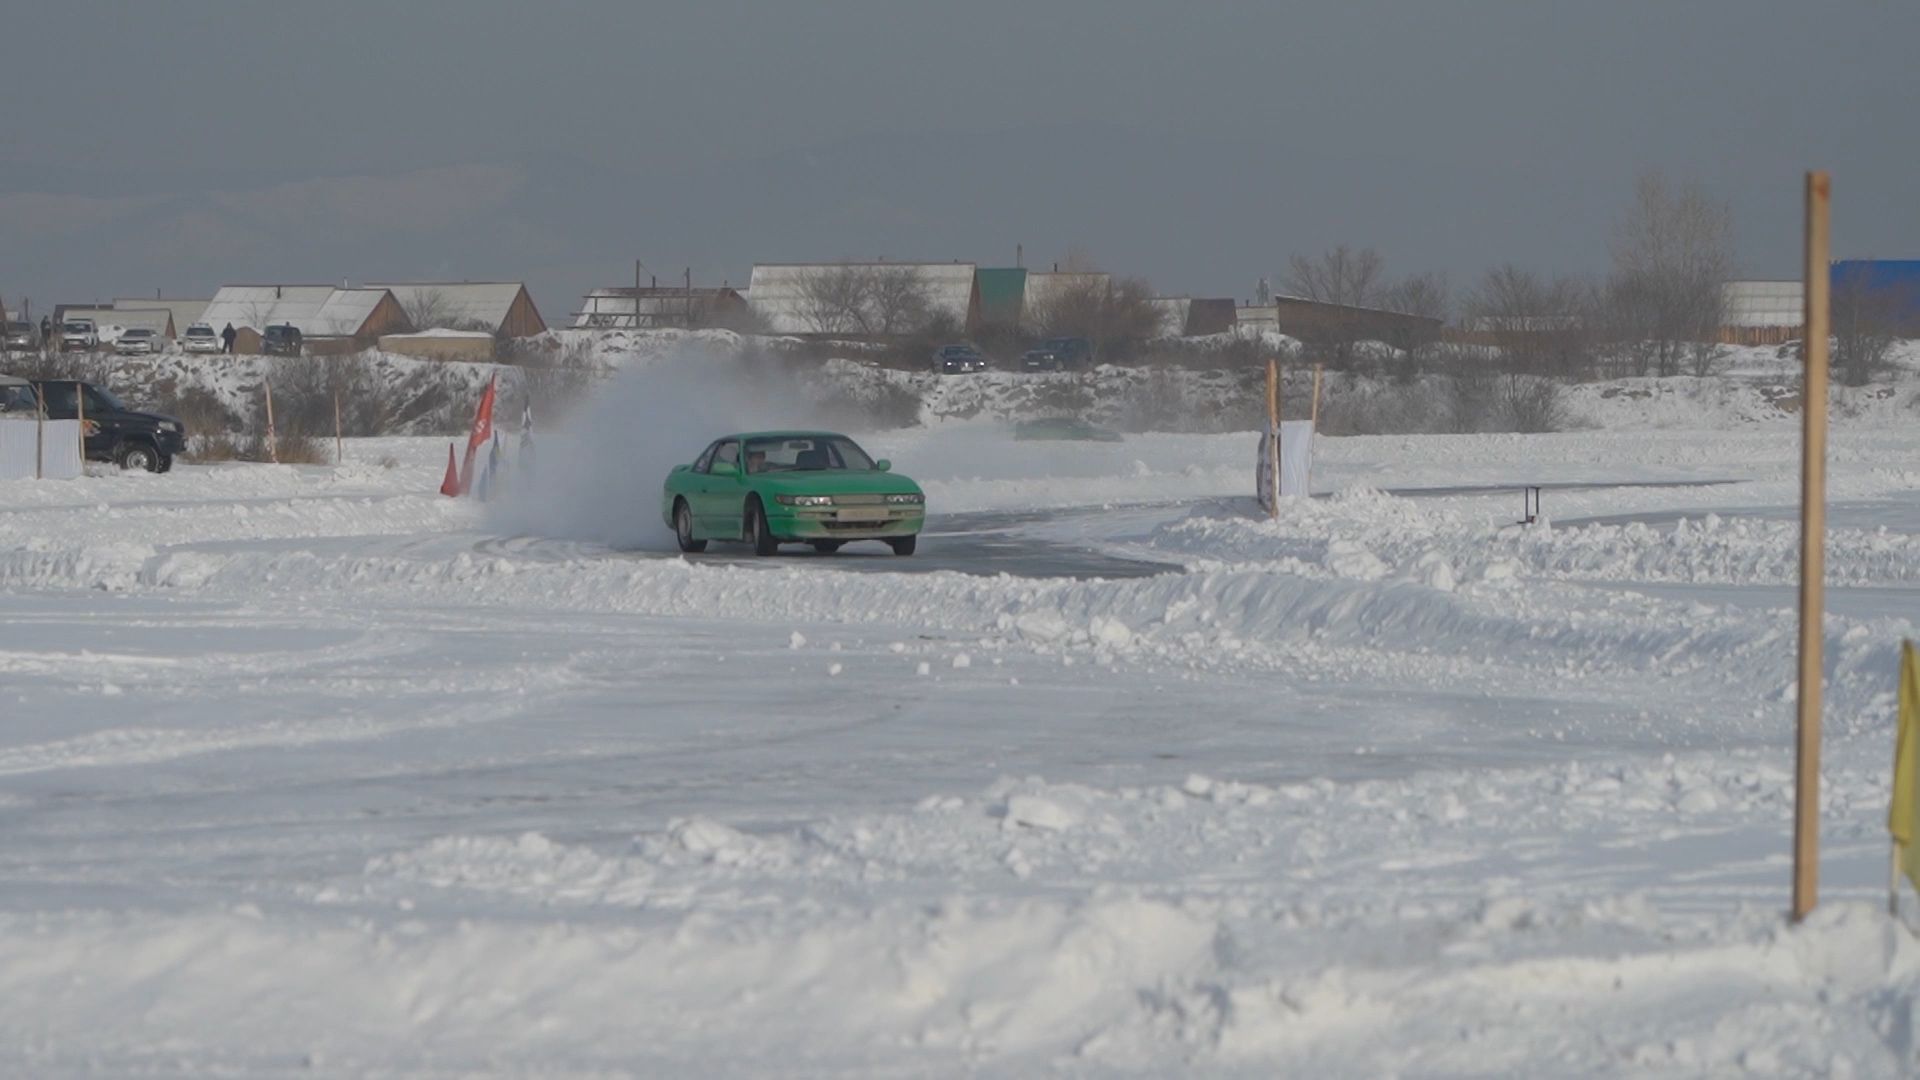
x=308 y=770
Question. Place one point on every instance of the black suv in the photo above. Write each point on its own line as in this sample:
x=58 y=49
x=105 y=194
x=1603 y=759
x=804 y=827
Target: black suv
x=282 y=340
x=132 y=440
x=1059 y=354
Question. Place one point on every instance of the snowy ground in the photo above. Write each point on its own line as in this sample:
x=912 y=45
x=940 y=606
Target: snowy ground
x=310 y=771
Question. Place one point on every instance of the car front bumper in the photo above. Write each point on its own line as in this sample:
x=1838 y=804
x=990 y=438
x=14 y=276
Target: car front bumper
x=845 y=523
x=196 y=345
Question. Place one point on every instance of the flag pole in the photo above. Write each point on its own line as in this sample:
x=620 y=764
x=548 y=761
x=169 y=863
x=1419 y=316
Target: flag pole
x=1813 y=529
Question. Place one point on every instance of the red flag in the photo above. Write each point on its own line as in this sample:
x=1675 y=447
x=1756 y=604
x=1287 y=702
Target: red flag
x=481 y=435
x=451 y=485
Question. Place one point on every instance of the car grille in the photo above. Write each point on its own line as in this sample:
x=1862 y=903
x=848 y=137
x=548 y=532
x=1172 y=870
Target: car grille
x=859 y=500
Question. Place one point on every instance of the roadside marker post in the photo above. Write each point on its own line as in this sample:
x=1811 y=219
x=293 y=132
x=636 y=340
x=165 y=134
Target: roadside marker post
x=273 y=446
x=1273 y=441
x=1813 y=530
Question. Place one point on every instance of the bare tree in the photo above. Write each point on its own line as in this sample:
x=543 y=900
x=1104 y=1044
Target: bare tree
x=429 y=309
x=868 y=300
x=1339 y=276
x=1115 y=314
x=1866 y=319
x=1672 y=255
x=1426 y=295
x=833 y=299
x=1539 y=325
x=899 y=301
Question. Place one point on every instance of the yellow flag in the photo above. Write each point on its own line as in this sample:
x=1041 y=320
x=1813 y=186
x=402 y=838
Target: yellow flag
x=1903 y=817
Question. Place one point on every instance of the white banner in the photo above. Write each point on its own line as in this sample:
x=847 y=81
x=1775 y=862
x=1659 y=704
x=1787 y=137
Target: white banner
x=22 y=456
x=1296 y=462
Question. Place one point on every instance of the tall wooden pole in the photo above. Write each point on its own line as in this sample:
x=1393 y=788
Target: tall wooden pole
x=1813 y=535
x=80 y=412
x=339 y=448
x=1273 y=443
x=273 y=446
x=1314 y=414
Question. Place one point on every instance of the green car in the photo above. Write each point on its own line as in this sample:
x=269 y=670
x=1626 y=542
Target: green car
x=1064 y=427
x=774 y=487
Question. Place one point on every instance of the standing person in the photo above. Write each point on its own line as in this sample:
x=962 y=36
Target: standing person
x=227 y=336
x=46 y=334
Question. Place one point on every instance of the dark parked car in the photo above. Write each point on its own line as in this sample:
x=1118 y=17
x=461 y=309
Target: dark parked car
x=1059 y=354
x=283 y=340
x=958 y=360
x=116 y=433
x=22 y=337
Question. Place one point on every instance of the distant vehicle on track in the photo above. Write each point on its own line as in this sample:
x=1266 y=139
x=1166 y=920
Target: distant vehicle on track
x=79 y=335
x=958 y=360
x=282 y=340
x=768 y=488
x=1059 y=354
x=115 y=432
x=139 y=341
x=1065 y=428
x=200 y=338
x=21 y=337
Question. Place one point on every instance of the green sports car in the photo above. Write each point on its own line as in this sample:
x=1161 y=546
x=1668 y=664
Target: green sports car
x=774 y=487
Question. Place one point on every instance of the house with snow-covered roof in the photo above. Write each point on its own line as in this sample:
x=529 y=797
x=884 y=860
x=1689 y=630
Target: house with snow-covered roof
x=501 y=308
x=330 y=319
x=185 y=312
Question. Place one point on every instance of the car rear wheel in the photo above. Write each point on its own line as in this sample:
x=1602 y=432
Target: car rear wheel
x=138 y=456
x=826 y=547
x=757 y=532
x=683 y=528
x=903 y=545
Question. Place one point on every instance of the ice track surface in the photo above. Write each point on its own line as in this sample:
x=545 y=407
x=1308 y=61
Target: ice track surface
x=306 y=772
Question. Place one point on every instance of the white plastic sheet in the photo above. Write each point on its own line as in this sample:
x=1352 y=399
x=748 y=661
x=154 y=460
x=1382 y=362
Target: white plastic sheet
x=1296 y=461
x=22 y=455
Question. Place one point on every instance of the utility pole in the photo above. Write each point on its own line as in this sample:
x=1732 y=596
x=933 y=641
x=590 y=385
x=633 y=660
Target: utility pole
x=1813 y=556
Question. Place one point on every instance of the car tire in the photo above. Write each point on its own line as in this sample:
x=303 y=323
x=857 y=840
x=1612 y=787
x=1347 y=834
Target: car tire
x=683 y=529
x=904 y=545
x=757 y=533
x=166 y=463
x=137 y=456
x=826 y=547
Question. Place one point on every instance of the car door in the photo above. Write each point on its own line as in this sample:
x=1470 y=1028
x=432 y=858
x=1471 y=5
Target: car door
x=718 y=500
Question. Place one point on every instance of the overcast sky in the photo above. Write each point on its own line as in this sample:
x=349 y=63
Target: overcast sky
x=179 y=146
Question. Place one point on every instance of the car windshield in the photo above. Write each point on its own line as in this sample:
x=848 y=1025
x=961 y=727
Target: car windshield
x=102 y=400
x=78 y=327
x=806 y=453
x=1059 y=343
x=199 y=331
x=137 y=333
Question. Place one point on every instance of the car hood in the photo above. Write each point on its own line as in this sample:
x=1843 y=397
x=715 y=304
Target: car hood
x=835 y=482
x=150 y=418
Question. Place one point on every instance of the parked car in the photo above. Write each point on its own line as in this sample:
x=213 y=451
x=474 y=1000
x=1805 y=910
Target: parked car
x=115 y=432
x=200 y=338
x=139 y=341
x=774 y=487
x=1064 y=427
x=1059 y=354
x=79 y=335
x=958 y=360
x=21 y=337
x=282 y=340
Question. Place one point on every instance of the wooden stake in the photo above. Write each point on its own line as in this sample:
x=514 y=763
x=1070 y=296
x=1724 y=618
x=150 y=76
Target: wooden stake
x=1273 y=445
x=1813 y=535
x=339 y=450
x=1313 y=419
x=80 y=412
x=40 y=434
x=273 y=447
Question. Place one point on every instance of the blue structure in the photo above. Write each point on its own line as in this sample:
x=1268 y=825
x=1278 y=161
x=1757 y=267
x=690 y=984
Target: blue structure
x=1896 y=280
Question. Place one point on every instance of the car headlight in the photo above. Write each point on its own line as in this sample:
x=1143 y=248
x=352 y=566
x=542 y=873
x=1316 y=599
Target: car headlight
x=804 y=500
x=914 y=499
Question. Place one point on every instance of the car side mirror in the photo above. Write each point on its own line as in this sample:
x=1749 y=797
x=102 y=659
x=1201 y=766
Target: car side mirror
x=724 y=468
x=883 y=465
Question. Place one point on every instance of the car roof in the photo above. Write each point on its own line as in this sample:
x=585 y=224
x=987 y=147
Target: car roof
x=785 y=435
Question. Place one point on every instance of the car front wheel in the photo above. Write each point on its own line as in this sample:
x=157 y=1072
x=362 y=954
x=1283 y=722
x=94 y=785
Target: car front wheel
x=139 y=456
x=683 y=529
x=903 y=545
x=757 y=532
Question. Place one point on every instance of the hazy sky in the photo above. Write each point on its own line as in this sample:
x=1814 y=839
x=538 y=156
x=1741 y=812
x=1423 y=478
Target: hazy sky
x=178 y=146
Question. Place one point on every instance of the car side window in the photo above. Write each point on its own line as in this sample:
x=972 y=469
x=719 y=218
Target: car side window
x=705 y=460
x=728 y=452
x=59 y=398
